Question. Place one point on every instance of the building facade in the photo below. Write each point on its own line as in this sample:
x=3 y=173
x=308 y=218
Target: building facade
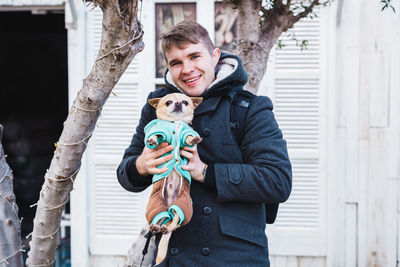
x=336 y=101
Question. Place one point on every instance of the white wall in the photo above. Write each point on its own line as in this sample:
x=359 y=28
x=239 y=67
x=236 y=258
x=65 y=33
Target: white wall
x=366 y=145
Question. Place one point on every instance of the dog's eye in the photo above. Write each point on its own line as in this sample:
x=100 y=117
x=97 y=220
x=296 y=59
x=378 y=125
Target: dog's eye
x=168 y=103
x=185 y=103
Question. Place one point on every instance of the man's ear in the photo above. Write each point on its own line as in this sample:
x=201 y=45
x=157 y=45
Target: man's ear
x=196 y=101
x=153 y=102
x=216 y=56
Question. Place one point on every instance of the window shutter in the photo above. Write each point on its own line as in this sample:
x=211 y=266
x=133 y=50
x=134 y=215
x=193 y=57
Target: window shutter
x=298 y=93
x=116 y=215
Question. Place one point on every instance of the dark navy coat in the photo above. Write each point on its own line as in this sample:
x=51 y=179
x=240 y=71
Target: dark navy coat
x=228 y=223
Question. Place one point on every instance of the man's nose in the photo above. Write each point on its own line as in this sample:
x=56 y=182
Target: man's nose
x=187 y=67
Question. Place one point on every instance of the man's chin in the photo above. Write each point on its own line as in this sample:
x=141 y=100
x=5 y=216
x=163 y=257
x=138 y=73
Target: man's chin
x=193 y=91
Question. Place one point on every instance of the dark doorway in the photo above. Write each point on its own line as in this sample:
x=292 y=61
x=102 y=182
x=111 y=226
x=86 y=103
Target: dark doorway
x=33 y=99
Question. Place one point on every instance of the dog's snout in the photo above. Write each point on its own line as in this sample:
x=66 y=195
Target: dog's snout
x=178 y=106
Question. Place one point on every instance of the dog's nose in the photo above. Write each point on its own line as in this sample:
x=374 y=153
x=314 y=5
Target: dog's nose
x=178 y=106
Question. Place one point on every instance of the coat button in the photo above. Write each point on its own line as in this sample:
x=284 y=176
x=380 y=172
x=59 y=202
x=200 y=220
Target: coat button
x=207 y=211
x=206 y=132
x=205 y=251
x=174 y=251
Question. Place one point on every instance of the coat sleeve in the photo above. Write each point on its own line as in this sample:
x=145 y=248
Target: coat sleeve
x=127 y=174
x=266 y=174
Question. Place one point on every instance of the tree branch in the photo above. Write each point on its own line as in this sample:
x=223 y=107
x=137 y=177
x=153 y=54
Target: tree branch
x=10 y=225
x=307 y=10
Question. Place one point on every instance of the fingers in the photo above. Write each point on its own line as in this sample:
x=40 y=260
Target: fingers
x=154 y=157
x=154 y=163
x=186 y=167
x=149 y=160
x=187 y=148
x=159 y=161
x=186 y=154
x=157 y=170
x=161 y=150
x=151 y=154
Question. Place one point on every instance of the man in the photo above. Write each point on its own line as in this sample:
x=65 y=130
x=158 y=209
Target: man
x=230 y=184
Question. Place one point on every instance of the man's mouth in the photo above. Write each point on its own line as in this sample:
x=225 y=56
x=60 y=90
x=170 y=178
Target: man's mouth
x=191 y=80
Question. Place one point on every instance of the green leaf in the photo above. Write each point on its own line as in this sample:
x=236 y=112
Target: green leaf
x=304 y=45
x=280 y=44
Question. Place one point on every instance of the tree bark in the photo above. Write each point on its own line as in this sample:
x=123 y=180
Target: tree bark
x=121 y=41
x=259 y=30
x=10 y=225
x=251 y=44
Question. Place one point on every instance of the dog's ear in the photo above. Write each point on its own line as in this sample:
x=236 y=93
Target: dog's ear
x=196 y=101
x=154 y=102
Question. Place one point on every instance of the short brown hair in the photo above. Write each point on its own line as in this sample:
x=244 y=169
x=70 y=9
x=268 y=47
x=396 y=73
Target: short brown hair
x=187 y=31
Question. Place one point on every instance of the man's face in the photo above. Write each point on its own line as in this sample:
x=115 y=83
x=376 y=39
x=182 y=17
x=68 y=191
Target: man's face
x=192 y=68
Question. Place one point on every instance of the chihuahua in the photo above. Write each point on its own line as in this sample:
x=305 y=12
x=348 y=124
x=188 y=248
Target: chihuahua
x=170 y=205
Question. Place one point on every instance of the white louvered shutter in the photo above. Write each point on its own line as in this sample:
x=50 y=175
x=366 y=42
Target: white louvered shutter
x=298 y=95
x=116 y=215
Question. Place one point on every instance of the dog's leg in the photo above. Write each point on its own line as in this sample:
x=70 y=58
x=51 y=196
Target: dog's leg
x=174 y=223
x=163 y=245
x=162 y=248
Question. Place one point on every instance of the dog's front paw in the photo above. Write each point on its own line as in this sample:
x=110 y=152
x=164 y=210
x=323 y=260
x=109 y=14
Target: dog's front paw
x=152 y=141
x=196 y=140
x=193 y=140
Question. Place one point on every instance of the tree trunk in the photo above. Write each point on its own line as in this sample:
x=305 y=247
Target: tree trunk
x=121 y=41
x=254 y=46
x=10 y=225
x=249 y=48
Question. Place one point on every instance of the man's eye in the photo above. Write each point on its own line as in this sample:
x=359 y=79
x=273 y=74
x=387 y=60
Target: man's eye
x=174 y=64
x=168 y=103
x=185 y=103
x=194 y=57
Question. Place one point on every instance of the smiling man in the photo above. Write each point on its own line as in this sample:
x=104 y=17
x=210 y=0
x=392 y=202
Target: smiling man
x=192 y=66
x=235 y=177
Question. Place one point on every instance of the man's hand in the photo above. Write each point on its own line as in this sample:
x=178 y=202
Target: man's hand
x=148 y=161
x=195 y=166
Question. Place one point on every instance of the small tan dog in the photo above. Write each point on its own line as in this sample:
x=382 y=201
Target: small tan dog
x=170 y=205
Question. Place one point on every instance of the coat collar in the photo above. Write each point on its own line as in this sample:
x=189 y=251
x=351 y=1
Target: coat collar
x=211 y=103
x=208 y=104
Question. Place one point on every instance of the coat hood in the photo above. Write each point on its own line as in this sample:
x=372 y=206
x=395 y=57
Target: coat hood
x=229 y=75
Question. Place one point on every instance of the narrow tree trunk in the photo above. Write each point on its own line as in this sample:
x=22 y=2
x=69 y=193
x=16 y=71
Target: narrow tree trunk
x=10 y=225
x=249 y=48
x=258 y=31
x=121 y=41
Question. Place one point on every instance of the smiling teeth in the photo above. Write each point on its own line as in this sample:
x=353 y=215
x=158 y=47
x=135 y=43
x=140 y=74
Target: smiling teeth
x=191 y=80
